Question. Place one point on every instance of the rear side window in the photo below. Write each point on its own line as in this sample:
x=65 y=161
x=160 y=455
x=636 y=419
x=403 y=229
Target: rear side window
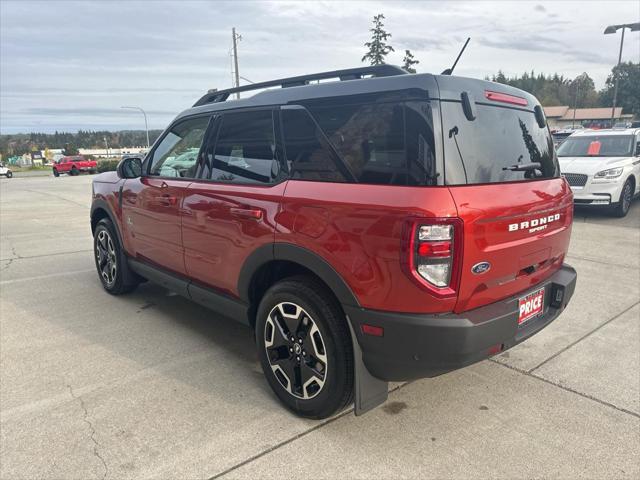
x=309 y=156
x=382 y=143
x=483 y=150
x=245 y=151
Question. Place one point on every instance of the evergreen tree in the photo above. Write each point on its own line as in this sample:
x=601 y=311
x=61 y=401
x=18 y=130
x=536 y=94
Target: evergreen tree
x=408 y=61
x=378 y=48
x=628 y=74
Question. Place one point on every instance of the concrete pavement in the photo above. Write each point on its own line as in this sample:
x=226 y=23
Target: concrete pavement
x=150 y=385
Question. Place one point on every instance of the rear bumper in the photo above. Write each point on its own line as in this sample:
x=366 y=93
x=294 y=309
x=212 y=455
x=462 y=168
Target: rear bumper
x=418 y=345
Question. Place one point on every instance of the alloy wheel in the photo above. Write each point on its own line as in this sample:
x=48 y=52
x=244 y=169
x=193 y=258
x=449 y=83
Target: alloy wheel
x=106 y=257
x=295 y=350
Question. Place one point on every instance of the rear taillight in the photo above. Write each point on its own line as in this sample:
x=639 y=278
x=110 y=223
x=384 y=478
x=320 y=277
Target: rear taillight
x=433 y=254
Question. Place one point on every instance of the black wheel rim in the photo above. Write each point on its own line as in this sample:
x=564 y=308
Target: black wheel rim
x=295 y=350
x=106 y=257
x=626 y=197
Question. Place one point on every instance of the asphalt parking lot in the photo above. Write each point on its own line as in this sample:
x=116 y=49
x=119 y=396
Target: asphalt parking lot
x=152 y=386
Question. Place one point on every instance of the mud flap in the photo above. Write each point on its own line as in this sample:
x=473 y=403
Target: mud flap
x=370 y=391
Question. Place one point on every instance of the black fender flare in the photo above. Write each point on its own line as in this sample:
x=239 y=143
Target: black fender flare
x=103 y=205
x=302 y=256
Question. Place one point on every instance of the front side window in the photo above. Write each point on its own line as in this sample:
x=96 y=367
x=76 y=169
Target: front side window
x=177 y=154
x=245 y=151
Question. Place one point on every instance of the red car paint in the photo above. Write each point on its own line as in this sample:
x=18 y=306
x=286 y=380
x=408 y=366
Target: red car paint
x=206 y=231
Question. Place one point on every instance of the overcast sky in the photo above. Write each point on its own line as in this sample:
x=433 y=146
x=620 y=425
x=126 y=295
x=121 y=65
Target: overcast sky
x=71 y=65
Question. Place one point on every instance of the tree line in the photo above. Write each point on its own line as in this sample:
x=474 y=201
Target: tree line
x=554 y=89
x=21 y=143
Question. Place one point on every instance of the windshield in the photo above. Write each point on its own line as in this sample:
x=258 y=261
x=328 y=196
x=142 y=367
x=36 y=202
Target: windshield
x=597 y=146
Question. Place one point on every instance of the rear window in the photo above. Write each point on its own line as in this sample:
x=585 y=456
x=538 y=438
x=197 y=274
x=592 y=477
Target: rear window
x=597 y=146
x=486 y=149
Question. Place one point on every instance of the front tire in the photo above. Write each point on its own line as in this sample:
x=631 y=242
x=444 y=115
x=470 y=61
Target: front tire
x=56 y=173
x=111 y=262
x=623 y=205
x=9 y=174
x=305 y=349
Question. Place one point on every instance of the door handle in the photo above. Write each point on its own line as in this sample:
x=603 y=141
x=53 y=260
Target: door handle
x=252 y=213
x=168 y=200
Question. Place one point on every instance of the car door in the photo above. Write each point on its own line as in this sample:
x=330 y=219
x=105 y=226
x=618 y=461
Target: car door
x=151 y=204
x=231 y=210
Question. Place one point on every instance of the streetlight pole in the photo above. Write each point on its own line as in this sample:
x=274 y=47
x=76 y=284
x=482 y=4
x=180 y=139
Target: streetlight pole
x=634 y=27
x=146 y=125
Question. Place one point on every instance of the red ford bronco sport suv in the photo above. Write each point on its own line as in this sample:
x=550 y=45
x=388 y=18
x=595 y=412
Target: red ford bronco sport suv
x=73 y=165
x=382 y=227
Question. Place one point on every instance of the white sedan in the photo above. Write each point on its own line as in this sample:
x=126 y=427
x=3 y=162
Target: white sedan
x=603 y=167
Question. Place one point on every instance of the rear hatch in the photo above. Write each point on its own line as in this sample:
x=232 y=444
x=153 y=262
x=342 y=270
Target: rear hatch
x=516 y=219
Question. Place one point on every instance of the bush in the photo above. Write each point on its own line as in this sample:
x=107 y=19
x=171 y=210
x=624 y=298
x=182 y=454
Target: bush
x=107 y=165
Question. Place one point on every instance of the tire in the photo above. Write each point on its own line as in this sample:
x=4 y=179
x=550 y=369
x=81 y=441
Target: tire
x=626 y=196
x=111 y=262
x=92 y=172
x=320 y=359
x=56 y=173
x=9 y=174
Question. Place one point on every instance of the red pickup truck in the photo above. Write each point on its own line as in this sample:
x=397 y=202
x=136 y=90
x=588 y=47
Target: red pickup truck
x=73 y=165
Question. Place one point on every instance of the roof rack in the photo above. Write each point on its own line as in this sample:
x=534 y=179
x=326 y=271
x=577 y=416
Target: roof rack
x=214 y=96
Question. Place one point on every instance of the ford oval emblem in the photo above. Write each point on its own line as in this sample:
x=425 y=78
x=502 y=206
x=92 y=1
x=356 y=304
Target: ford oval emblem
x=481 y=267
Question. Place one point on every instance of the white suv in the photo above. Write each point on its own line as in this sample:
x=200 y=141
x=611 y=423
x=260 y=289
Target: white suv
x=603 y=167
x=4 y=171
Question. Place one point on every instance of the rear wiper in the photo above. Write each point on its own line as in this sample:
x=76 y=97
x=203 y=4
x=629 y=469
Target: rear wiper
x=524 y=167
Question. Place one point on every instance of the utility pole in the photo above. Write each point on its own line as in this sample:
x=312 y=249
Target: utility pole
x=634 y=27
x=106 y=146
x=235 y=37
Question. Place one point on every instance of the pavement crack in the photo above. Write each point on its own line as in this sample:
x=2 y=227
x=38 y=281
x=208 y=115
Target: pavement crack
x=14 y=256
x=544 y=362
x=567 y=389
x=92 y=429
x=294 y=438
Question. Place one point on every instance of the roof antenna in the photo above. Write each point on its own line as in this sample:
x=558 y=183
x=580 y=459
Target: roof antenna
x=449 y=71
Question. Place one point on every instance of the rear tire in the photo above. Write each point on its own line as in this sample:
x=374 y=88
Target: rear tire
x=626 y=197
x=111 y=262
x=9 y=174
x=312 y=375
x=56 y=173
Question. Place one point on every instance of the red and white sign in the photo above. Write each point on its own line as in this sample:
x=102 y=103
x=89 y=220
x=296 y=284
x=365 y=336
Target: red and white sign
x=530 y=305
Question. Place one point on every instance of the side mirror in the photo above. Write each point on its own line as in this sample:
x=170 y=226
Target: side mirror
x=130 y=167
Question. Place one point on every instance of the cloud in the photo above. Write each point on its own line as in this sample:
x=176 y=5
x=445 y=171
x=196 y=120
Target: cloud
x=86 y=59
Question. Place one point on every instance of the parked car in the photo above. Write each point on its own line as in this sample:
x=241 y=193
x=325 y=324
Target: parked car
x=603 y=168
x=5 y=171
x=74 y=165
x=368 y=229
x=560 y=135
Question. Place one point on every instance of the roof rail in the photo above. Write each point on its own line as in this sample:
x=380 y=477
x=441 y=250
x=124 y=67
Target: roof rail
x=214 y=96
